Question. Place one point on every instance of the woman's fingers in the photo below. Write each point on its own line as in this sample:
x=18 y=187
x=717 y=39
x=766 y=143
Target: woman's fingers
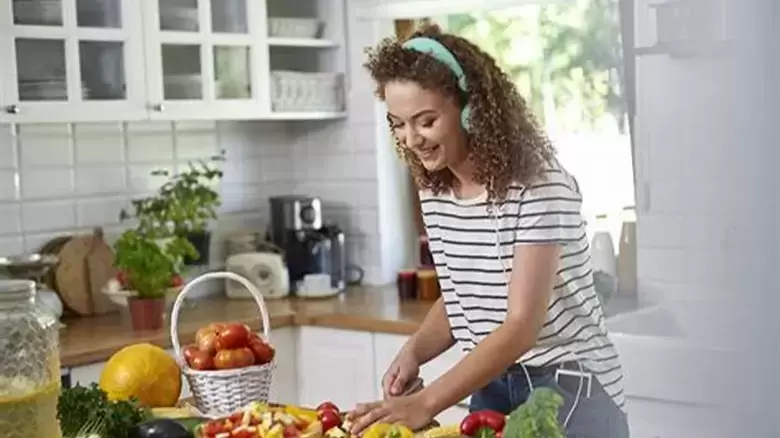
x=367 y=414
x=388 y=381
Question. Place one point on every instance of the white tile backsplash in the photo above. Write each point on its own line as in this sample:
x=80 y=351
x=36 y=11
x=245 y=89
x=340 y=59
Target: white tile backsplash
x=76 y=177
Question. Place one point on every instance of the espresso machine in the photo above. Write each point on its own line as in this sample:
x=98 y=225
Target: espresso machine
x=309 y=246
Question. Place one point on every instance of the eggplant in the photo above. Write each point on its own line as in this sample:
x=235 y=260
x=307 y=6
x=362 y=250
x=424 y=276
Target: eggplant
x=160 y=428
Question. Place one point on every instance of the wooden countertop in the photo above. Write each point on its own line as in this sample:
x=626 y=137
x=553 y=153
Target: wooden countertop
x=374 y=309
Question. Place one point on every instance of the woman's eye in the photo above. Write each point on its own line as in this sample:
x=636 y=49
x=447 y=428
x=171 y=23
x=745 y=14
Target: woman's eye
x=427 y=123
x=396 y=125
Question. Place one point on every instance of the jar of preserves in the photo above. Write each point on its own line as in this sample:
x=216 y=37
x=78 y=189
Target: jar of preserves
x=29 y=364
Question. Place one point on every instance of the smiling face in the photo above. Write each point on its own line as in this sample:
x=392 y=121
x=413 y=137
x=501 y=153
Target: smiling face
x=427 y=123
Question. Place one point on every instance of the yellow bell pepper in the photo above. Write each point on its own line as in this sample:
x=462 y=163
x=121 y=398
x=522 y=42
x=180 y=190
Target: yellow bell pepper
x=306 y=415
x=383 y=430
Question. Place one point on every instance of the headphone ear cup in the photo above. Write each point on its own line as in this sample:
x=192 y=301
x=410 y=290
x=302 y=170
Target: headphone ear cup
x=465 y=115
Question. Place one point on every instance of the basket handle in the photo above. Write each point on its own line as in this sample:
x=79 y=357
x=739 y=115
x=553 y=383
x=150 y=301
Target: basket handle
x=215 y=276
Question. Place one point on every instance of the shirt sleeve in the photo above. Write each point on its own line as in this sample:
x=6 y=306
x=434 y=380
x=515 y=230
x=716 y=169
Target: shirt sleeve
x=550 y=212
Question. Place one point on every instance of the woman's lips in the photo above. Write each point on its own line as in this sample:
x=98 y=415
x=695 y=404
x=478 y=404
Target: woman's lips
x=428 y=152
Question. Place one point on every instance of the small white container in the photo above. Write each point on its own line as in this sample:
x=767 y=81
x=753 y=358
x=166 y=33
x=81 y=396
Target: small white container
x=603 y=249
x=282 y=27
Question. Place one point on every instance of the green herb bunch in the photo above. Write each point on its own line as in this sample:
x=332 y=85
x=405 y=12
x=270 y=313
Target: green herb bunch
x=537 y=417
x=83 y=410
x=185 y=203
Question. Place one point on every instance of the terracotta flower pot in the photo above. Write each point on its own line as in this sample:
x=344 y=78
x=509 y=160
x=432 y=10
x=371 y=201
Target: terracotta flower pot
x=146 y=313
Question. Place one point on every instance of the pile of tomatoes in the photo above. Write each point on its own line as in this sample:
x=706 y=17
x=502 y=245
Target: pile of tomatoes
x=223 y=346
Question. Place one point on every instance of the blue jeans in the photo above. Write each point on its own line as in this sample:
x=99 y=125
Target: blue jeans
x=596 y=416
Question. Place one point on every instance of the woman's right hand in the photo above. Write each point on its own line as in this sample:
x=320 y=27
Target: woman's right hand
x=400 y=373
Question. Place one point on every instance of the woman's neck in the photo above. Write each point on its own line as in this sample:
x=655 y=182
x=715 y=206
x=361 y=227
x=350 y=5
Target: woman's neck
x=464 y=185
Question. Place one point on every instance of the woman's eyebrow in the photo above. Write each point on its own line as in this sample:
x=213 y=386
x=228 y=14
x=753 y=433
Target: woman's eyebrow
x=416 y=115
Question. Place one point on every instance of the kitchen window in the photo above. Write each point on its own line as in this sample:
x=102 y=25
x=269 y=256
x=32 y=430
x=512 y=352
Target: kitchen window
x=567 y=59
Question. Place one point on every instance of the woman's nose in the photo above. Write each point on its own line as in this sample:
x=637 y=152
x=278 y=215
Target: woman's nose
x=413 y=139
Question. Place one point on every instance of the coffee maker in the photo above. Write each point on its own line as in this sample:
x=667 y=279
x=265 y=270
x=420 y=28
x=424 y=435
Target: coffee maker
x=309 y=246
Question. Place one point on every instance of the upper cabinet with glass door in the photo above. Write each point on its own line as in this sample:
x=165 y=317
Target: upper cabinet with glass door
x=71 y=60
x=206 y=58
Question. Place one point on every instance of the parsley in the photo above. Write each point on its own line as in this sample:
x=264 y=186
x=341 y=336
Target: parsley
x=88 y=407
x=537 y=417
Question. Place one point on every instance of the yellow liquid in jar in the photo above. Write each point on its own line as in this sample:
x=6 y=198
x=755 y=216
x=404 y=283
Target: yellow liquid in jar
x=31 y=415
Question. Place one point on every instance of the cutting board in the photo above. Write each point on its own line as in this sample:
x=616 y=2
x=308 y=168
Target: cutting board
x=72 y=275
x=100 y=265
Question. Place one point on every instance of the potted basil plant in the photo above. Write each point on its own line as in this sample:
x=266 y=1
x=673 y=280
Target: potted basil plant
x=148 y=270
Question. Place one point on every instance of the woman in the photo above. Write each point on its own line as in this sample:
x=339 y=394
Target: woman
x=508 y=240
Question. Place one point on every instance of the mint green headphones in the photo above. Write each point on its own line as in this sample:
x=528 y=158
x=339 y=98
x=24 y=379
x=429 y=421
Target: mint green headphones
x=442 y=54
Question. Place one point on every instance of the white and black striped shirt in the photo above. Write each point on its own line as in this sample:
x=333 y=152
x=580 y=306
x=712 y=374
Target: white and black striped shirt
x=466 y=237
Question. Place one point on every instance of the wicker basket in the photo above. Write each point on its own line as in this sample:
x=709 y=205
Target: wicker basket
x=223 y=392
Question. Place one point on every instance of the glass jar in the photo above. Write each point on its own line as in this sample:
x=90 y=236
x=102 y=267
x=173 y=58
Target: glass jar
x=29 y=364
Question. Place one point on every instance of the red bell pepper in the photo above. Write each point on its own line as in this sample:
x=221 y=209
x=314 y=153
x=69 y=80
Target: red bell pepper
x=483 y=424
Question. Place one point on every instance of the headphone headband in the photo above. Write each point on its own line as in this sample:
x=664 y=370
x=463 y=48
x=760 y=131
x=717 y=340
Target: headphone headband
x=436 y=49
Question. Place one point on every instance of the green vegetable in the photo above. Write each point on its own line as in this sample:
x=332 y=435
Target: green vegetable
x=191 y=423
x=160 y=428
x=537 y=417
x=86 y=411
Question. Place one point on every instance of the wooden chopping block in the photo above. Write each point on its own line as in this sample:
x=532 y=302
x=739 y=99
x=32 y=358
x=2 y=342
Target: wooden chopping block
x=72 y=276
x=100 y=265
x=53 y=247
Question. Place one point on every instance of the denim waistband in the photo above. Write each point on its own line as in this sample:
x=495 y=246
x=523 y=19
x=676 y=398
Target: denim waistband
x=545 y=370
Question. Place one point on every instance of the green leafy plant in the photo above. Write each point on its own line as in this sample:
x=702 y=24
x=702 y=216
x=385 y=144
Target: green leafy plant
x=537 y=417
x=86 y=411
x=185 y=203
x=149 y=264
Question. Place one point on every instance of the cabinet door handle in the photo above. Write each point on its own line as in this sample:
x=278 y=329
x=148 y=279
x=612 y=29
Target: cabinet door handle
x=12 y=109
x=159 y=107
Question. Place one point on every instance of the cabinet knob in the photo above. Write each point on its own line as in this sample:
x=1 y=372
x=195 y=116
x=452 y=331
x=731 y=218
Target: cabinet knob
x=12 y=109
x=159 y=107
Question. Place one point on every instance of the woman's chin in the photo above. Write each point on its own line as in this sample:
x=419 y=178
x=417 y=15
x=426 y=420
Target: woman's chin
x=433 y=165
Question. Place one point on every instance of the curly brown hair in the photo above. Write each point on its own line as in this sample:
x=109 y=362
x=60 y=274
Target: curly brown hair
x=505 y=141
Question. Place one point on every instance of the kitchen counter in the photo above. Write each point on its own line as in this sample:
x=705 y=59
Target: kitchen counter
x=374 y=309
x=371 y=309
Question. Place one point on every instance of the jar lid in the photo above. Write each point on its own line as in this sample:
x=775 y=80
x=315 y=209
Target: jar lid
x=16 y=290
x=16 y=286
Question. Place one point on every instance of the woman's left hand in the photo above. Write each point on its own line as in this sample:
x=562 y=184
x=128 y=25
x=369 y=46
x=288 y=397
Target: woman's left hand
x=409 y=410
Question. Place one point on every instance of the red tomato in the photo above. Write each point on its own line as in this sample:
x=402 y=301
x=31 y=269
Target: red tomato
x=214 y=427
x=291 y=431
x=262 y=352
x=177 y=281
x=121 y=277
x=201 y=361
x=243 y=434
x=207 y=342
x=327 y=406
x=232 y=336
x=189 y=352
x=234 y=358
x=329 y=419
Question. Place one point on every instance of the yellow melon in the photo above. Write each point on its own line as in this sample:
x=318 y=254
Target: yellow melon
x=144 y=371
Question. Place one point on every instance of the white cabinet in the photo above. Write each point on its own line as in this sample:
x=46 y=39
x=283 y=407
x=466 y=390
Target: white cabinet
x=67 y=60
x=98 y=60
x=284 y=388
x=335 y=365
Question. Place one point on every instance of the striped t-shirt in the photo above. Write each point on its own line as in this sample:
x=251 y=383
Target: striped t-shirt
x=463 y=239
